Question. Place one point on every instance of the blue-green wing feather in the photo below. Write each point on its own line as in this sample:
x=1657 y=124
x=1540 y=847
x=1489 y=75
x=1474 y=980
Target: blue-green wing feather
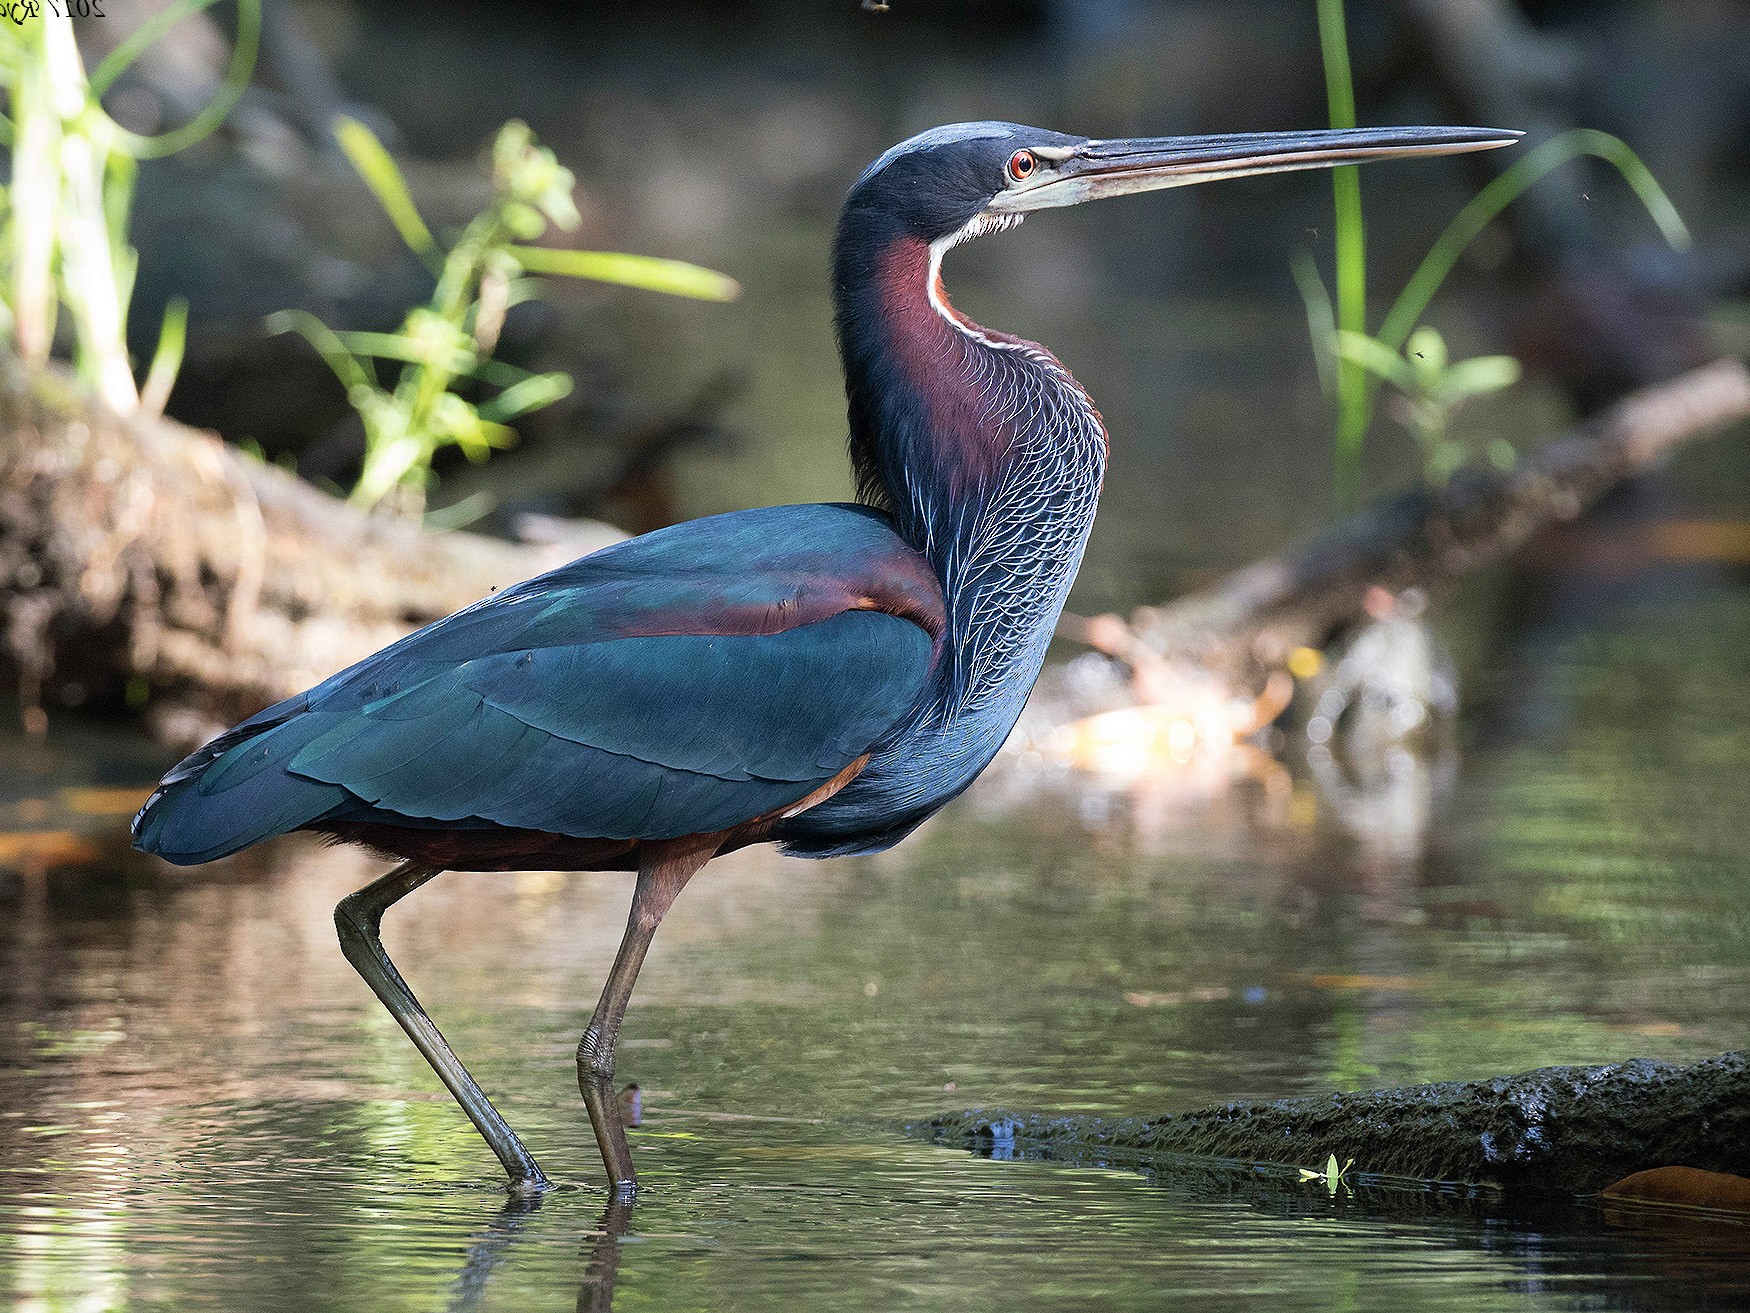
x=545 y=708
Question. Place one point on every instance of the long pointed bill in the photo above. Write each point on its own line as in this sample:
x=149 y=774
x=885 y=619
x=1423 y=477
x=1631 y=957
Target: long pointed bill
x=1072 y=174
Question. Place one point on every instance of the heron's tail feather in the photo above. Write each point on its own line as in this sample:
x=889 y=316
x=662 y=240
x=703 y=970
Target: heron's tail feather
x=236 y=790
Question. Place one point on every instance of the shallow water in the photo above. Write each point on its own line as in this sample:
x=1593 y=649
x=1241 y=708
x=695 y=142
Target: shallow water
x=202 y=1107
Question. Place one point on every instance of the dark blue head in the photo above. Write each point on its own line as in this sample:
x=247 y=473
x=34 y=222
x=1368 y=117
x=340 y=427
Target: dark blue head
x=933 y=185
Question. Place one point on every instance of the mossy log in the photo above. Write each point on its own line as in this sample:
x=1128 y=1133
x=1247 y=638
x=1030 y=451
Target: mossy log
x=1557 y=1130
x=138 y=549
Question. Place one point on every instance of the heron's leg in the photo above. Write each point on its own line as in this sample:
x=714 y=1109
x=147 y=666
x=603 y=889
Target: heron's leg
x=359 y=918
x=663 y=873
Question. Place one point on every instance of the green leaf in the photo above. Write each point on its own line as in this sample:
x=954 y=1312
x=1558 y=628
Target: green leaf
x=1525 y=173
x=120 y=172
x=1426 y=352
x=392 y=461
x=1377 y=358
x=392 y=346
x=455 y=420
x=532 y=393
x=524 y=221
x=1445 y=460
x=1353 y=395
x=397 y=346
x=498 y=373
x=459 y=515
x=377 y=167
x=426 y=339
x=531 y=175
x=1478 y=377
x=675 y=277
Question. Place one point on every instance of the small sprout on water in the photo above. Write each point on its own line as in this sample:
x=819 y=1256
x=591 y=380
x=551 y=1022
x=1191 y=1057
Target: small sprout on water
x=1333 y=1175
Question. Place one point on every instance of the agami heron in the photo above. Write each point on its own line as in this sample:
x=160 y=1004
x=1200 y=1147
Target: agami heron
x=822 y=677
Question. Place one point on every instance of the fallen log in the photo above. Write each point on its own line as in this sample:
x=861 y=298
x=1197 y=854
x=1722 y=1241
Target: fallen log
x=141 y=550
x=1247 y=625
x=1557 y=1130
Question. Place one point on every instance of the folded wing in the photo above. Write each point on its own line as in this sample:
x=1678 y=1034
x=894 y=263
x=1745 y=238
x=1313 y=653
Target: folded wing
x=679 y=683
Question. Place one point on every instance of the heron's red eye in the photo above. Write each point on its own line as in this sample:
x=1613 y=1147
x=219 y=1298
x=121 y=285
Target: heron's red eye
x=1021 y=165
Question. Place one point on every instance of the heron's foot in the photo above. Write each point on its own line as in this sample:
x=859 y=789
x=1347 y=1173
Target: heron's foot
x=528 y=1187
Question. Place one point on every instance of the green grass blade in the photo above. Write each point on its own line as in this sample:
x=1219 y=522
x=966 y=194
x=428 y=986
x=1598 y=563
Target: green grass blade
x=498 y=373
x=394 y=346
x=319 y=335
x=534 y=393
x=167 y=359
x=675 y=277
x=119 y=173
x=35 y=191
x=1321 y=320
x=1334 y=50
x=459 y=515
x=237 y=75
x=1354 y=403
x=378 y=169
x=1502 y=192
x=122 y=57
